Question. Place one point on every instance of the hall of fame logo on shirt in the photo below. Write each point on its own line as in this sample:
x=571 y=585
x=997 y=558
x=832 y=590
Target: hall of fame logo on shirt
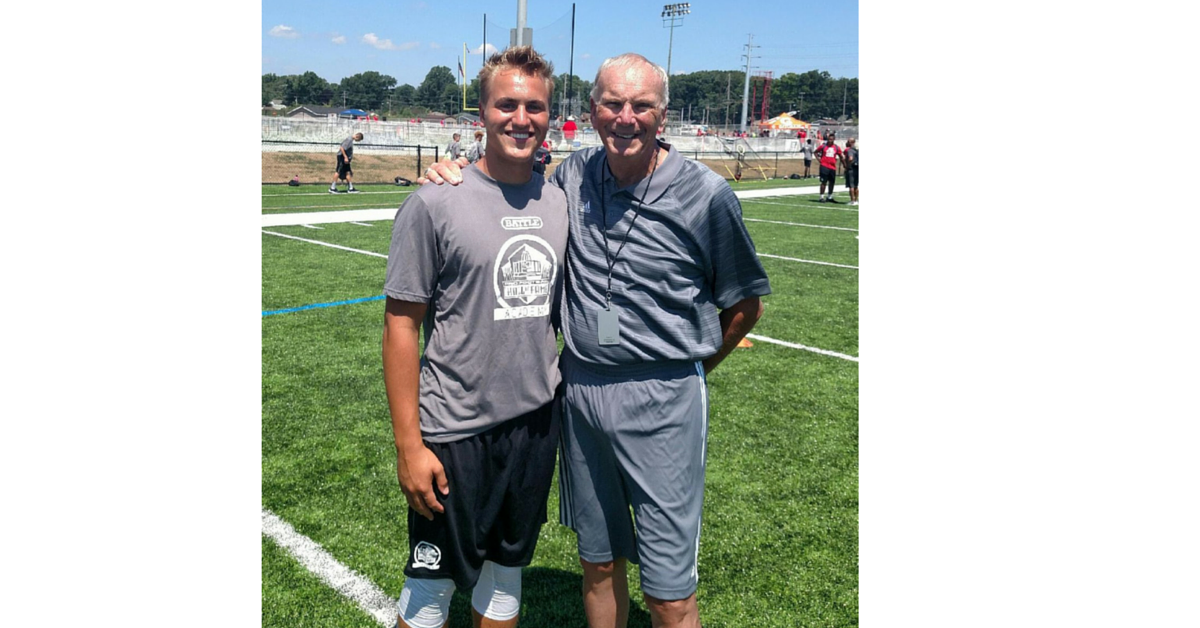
x=524 y=278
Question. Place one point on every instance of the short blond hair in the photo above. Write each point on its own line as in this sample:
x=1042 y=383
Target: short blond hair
x=522 y=58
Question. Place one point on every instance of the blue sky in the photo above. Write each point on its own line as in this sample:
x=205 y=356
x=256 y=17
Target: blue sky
x=407 y=37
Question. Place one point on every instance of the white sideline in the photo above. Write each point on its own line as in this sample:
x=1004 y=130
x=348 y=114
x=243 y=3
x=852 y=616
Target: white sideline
x=793 y=345
x=825 y=206
x=325 y=192
x=797 y=224
x=357 y=588
x=806 y=261
x=320 y=218
x=334 y=246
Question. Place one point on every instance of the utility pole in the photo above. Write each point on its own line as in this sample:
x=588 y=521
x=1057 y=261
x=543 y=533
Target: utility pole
x=800 y=112
x=845 y=86
x=746 y=89
x=571 y=68
x=521 y=6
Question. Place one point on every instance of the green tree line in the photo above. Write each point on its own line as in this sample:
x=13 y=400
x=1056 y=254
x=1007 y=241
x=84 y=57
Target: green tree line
x=715 y=95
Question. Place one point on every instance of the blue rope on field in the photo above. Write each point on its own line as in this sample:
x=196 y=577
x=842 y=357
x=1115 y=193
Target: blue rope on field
x=317 y=305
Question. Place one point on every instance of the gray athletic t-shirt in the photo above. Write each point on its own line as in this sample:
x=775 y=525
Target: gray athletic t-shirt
x=687 y=255
x=348 y=146
x=488 y=259
x=807 y=149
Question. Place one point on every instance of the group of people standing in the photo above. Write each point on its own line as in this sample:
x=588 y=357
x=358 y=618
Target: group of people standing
x=664 y=282
x=829 y=155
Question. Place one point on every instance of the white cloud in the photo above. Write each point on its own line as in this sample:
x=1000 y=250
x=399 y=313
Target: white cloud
x=287 y=32
x=339 y=40
x=586 y=55
x=491 y=50
x=386 y=44
x=435 y=45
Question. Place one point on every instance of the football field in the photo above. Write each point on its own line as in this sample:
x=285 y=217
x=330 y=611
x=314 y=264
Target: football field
x=779 y=545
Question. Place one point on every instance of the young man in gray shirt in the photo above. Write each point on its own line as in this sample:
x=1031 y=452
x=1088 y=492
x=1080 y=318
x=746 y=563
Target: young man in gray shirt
x=481 y=269
x=454 y=148
x=342 y=170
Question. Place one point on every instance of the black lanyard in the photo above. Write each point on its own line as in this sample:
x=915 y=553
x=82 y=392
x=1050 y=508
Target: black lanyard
x=637 y=211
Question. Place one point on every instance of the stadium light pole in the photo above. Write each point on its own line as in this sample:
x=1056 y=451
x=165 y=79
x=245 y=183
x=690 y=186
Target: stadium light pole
x=672 y=16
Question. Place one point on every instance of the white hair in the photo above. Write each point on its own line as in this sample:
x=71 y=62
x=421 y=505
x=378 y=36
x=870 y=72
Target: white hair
x=629 y=60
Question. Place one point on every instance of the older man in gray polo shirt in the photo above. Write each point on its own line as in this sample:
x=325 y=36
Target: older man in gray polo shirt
x=664 y=283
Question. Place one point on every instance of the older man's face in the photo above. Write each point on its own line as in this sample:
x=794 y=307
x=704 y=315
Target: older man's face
x=628 y=114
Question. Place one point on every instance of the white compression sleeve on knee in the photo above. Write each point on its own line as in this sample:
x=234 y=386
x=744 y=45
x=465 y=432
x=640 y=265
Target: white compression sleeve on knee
x=425 y=603
x=497 y=593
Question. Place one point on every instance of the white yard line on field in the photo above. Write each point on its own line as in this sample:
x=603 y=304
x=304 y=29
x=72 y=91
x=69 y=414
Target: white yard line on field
x=806 y=261
x=322 y=218
x=325 y=192
x=362 y=206
x=312 y=227
x=797 y=224
x=362 y=224
x=357 y=588
x=807 y=206
x=334 y=246
x=802 y=347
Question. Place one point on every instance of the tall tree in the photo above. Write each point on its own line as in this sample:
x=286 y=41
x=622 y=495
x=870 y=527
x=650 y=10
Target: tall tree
x=367 y=90
x=308 y=89
x=273 y=88
x=432 y=90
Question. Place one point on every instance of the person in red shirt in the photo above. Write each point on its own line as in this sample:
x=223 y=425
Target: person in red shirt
x=829 y=154
x=569 y=129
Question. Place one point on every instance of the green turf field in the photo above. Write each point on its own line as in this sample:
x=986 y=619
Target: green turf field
x=779 y=545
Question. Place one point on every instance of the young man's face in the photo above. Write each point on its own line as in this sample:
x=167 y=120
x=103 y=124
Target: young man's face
x=516 y=115
x=628 y=115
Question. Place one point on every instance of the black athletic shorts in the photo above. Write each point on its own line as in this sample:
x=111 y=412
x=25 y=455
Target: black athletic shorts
x=807 y=163
x=852 y=177
x=343 y=168
x=828 y=174
x=499 y=481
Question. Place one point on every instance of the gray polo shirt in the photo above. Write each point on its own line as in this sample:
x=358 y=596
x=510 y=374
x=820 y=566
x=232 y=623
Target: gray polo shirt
x=488 y=259
x=454 y=149
x=687 y=255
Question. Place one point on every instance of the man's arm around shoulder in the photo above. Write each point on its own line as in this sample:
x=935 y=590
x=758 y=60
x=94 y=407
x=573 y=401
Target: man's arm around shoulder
x=736 y=321
x=417 y=468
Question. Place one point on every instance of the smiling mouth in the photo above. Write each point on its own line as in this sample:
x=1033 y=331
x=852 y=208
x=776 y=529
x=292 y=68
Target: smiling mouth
x=520 y=136
x=625 y=137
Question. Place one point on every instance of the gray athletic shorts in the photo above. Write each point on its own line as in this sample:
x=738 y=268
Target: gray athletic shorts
x=634 y=436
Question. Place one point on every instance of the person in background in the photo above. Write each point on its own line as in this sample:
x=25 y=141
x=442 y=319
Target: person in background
x=454 y=148
x=343 y=171
x=569 y=129
x=476 y=151
x=829 y=154
x=850 y=160
x=807 y=148
x=541 y=158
